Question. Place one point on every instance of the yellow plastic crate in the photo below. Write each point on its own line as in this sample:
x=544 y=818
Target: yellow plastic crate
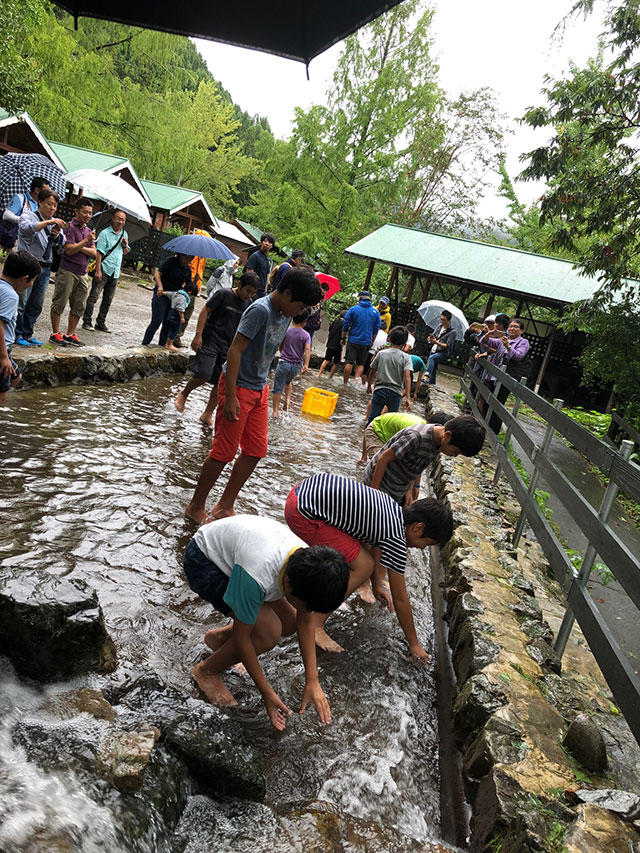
x=319 y=402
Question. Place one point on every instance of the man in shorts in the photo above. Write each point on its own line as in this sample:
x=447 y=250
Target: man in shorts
x=217 y=325
x=361 y=324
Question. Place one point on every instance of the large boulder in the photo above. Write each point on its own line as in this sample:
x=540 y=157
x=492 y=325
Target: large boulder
x=207 y=739
x=52 y=628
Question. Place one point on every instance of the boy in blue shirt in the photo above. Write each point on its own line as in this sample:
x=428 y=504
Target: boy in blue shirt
x=242 y=416
x=20 y=271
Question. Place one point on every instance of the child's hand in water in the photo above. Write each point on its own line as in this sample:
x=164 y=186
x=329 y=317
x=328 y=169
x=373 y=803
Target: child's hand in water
x=277 y=711
x=314 y=693
x=419 y=655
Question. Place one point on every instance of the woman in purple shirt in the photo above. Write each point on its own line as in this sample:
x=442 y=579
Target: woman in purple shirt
x=295 y=353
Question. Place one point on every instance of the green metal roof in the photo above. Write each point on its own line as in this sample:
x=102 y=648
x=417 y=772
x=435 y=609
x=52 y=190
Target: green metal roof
x=75 y=158
x=256 y=233
x=484 y=265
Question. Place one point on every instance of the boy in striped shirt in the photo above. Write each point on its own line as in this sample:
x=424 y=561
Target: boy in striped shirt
x=341 y=513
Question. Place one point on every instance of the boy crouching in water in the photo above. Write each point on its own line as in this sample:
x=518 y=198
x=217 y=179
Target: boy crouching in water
x=257 y=571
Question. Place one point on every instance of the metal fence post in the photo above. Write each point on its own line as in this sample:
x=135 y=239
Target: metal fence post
x=507 y=435
x=608 y=500
x=544 y=447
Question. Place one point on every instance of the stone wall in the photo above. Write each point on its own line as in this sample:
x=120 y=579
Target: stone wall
x=514 y=702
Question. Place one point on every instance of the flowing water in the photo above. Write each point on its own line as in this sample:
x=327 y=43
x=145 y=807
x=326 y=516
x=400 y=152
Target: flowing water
x=94 y=484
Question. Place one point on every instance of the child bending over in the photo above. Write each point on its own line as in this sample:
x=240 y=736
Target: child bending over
x=180 y=301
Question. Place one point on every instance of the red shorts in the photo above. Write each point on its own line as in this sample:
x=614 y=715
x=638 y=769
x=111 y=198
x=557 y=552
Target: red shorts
x=315 y=532
x=249 y=432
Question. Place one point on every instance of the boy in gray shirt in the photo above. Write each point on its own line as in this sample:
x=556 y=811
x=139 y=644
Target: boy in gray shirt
x=391 y=371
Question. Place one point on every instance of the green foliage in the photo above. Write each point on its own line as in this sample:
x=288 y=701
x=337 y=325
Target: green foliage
x=596 y=422
x=604 y=572
x=556 y=837
x=19 y=73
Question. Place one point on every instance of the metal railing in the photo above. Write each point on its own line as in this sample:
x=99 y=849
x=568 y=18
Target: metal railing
x=602 y=538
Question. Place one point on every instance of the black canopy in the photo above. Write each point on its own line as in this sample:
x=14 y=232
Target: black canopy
x=296 y=29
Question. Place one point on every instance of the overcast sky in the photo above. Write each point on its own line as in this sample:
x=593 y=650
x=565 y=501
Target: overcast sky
x=504 y=44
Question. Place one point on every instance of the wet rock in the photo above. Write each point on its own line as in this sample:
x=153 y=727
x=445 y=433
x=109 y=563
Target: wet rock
x=527 y=608
x=109 y=371
x=525 y=586
x=623 y=803
x=597 y=830
x=499 y=742
x=209 y=741
x=61 y=745
x=466 y=606
x=472 y=650
x=535 y=629
x=67 y=367
x=560 y=693
x=73 y=702
x=207 y=825
x=585 y=742
x=122 y=757
x=623 y=751
x=478 y=699
x=541 y=652
x=90 y=365
x=52 y=627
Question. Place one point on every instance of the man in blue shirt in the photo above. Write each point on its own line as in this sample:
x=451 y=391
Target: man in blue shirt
x=111 y=246
x=361 y=323
x=16 y=207
x=259 y=262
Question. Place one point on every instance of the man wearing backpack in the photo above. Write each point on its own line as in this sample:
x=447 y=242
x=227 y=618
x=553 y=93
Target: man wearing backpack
x=16 y=207
x=296 y=259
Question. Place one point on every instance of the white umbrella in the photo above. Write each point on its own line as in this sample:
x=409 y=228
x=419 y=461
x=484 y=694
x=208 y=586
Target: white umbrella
x=111 y=189
x=431 y=310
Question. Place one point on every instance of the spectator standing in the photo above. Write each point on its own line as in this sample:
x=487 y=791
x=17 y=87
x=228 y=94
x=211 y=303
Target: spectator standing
x=16 y=207
x=516 y=363
x=361 y=324
x=111 y=246
x=259 y=262
x=222 y=277
x=172 y=274
x=38 y=233
x=72 y=281
x=20 y=271
x=385 y=313
x=295 y=260
x=442 y=341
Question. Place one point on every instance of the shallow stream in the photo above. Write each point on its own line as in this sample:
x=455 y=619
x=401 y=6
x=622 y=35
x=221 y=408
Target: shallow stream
x=94 y=481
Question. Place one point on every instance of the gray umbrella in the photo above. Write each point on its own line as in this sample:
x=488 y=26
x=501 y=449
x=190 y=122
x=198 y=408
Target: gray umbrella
x=18 y=170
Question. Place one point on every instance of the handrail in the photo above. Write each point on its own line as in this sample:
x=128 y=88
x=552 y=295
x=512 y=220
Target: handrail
x=602 y=538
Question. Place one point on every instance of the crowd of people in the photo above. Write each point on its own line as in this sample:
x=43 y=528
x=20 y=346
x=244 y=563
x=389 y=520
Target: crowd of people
x=340 y=534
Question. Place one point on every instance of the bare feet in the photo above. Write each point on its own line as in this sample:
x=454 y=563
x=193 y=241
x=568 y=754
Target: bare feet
x=274 y=414
x=366 y=593
x=180 y=401
x=212 y=687
x=197 y=514
x=324 y=642
x=216 y=637
x=219 y=512
x=172 y=348
x=205 y=418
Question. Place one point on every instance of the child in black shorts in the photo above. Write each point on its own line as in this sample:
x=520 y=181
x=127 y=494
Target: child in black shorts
x=333 y=355
x=216 y=328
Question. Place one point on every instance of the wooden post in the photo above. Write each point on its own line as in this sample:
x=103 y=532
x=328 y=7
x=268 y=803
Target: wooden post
x=426 y=289
x=610 y=402
x=367 y=280
x=487 y=310
x=392 y=280
x=412 y=286
x=545 y=360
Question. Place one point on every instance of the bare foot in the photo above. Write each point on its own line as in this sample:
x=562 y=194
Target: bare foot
x=216 y=637
x=212 y=687
x=324 y=642
x=197 y=514
x=366 y=593
x=206 y=419
x=274 y=414
x=180 y=401
x=172 y=348
x=239 y=669
x=219 y=512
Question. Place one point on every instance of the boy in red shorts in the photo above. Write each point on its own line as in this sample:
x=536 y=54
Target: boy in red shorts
x=242 y=416
x=356 y=520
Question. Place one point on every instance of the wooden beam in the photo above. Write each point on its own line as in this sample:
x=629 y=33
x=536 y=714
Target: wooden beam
x=392 y=280
x=411 y=288
x=367 y=280
x=545 y=360
x=487 y=310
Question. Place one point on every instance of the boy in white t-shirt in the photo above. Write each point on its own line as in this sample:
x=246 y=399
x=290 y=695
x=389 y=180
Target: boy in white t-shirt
x=257 y=571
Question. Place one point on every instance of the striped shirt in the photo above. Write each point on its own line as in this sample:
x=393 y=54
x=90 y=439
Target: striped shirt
x=414 y=450
x=367 y=514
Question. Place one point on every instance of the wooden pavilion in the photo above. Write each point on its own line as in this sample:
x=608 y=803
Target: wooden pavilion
x=474 y=274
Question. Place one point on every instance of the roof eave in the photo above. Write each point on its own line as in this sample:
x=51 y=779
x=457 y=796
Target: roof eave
x=26 y=118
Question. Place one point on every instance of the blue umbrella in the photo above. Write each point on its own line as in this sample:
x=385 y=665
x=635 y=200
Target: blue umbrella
x=199 y=246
